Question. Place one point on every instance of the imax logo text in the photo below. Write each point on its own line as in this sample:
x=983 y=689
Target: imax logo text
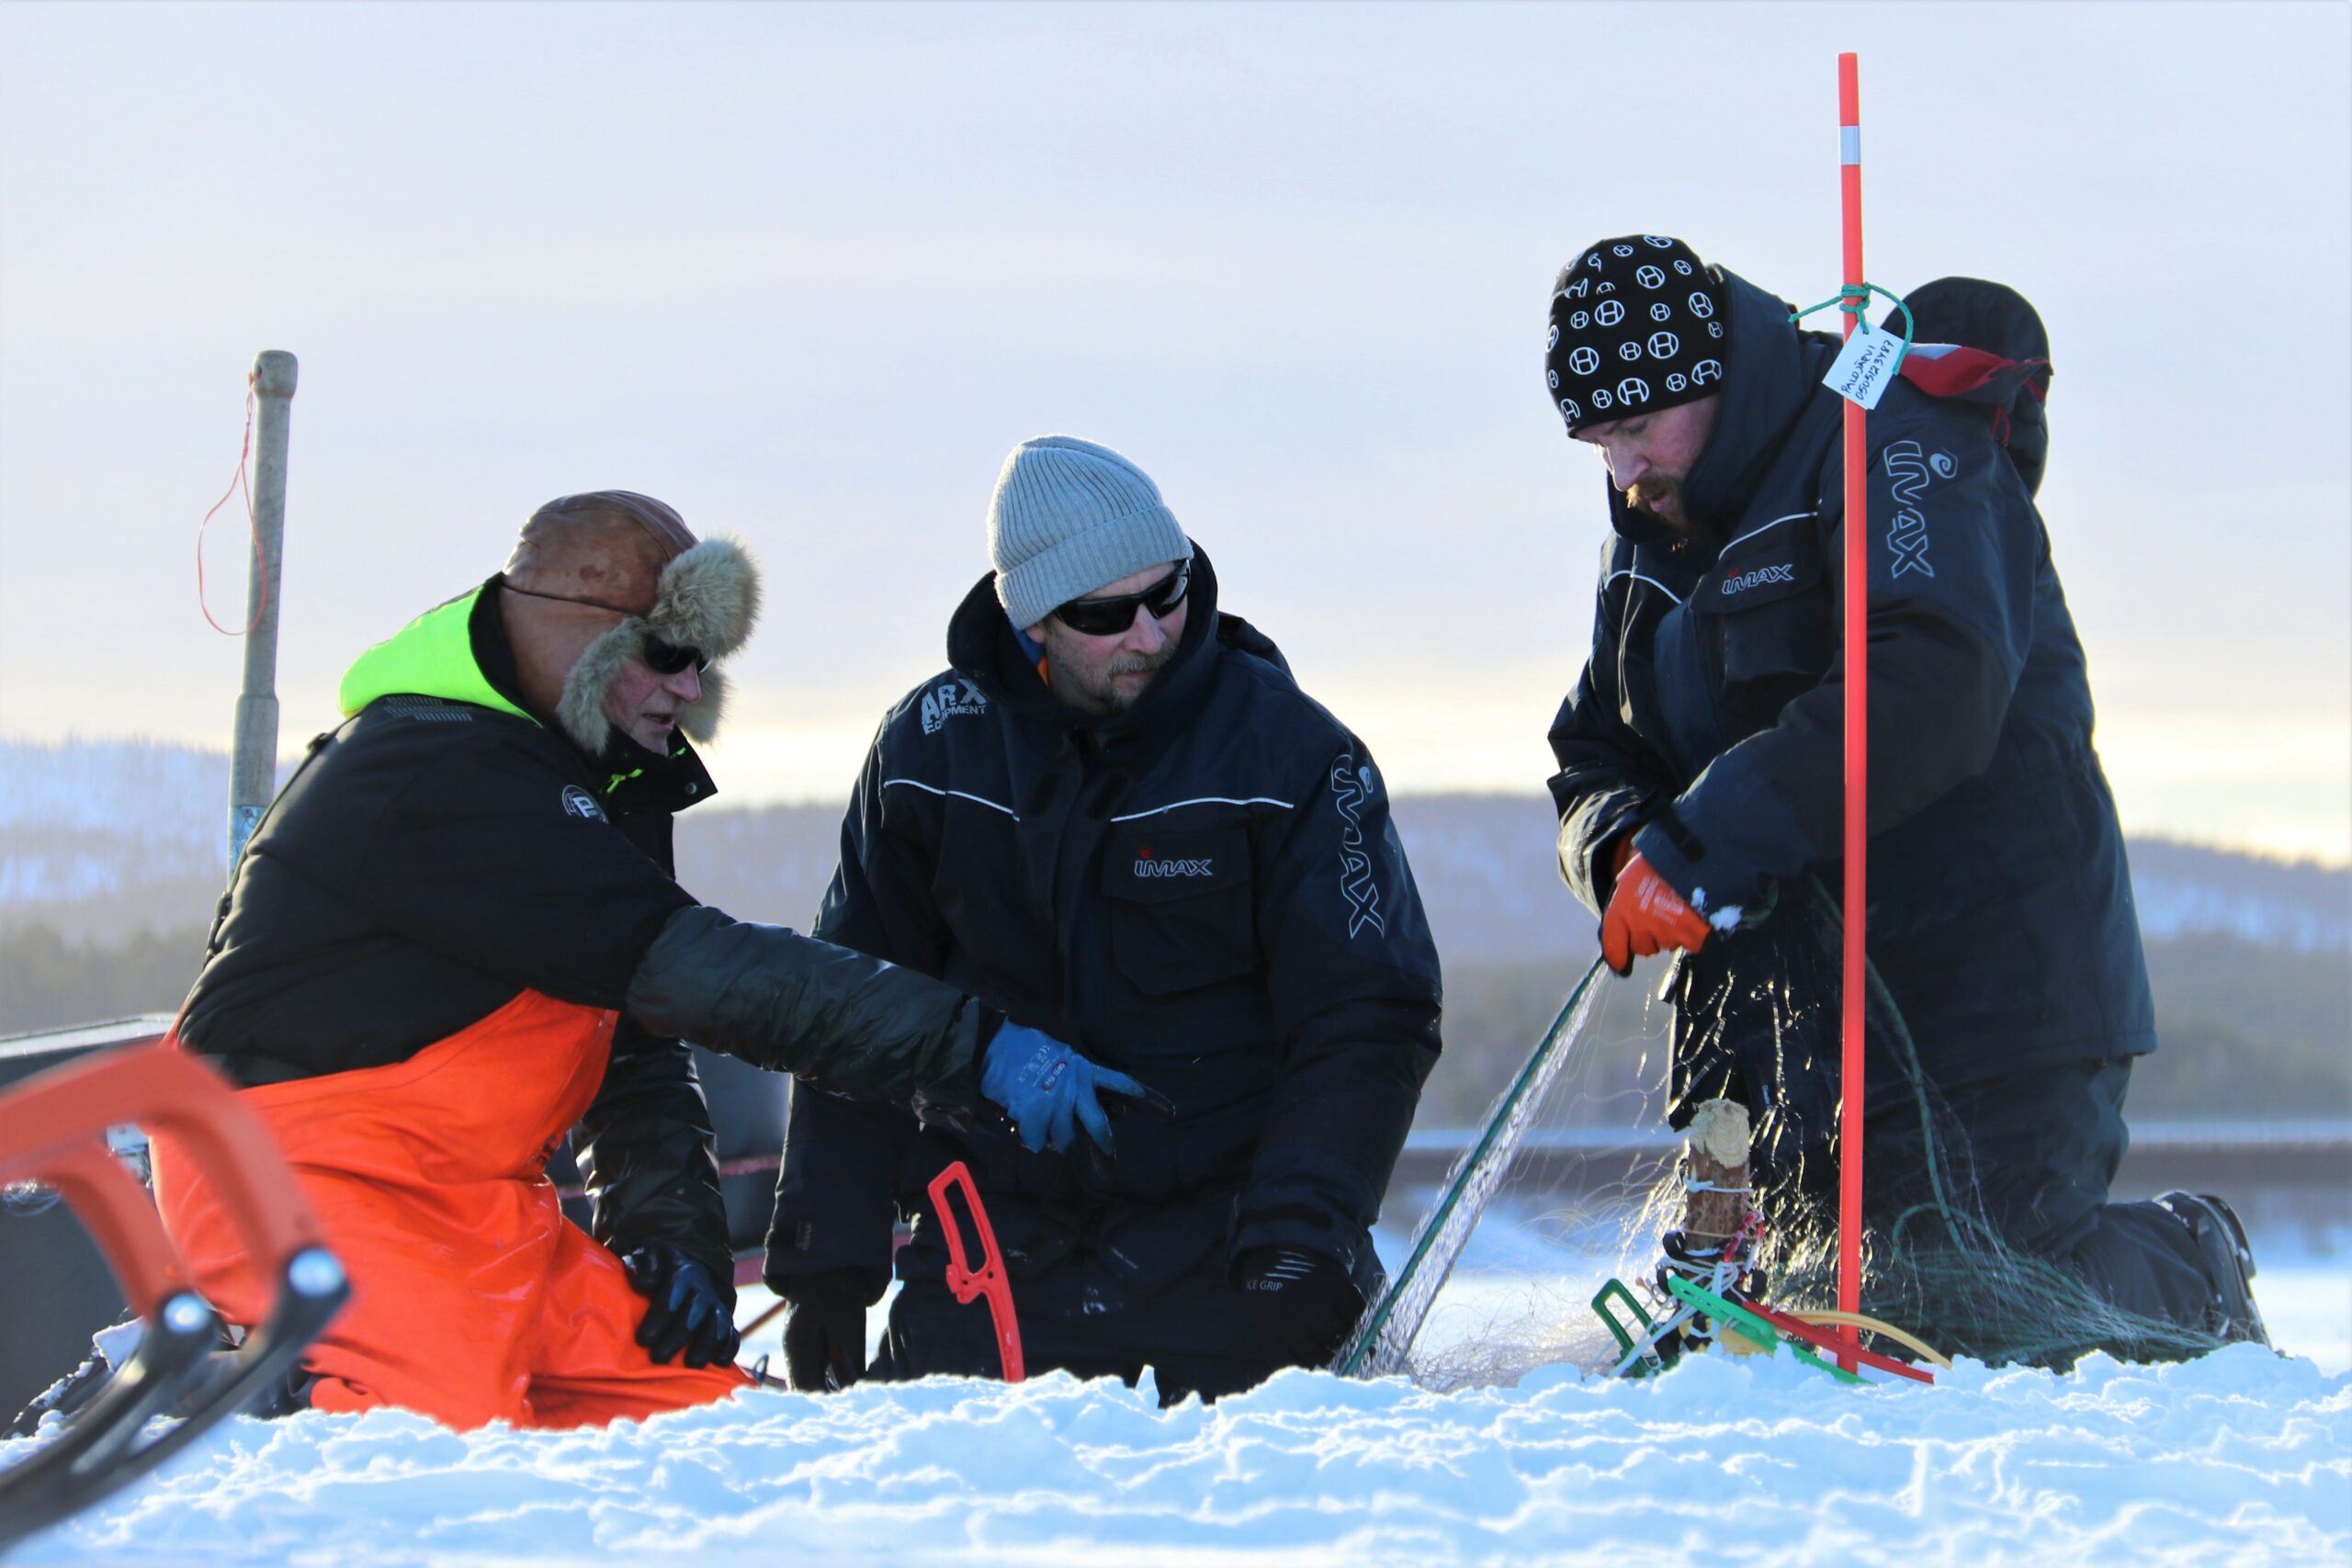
x=1176 y=867
x=1759 y=578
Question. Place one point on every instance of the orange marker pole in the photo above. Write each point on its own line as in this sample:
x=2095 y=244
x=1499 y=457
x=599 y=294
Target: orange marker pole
x=1858 y=729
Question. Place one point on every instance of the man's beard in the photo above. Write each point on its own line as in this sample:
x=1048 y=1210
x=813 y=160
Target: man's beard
x=1100 y=691
x=1651 y=488
x=1115 y=698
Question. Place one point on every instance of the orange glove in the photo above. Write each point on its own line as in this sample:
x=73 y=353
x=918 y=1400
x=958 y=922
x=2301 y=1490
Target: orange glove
x=1645 y=916
x=1619 y=854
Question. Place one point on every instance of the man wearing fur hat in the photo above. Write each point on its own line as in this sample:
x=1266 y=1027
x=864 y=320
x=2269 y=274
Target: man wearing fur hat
x=1117 y=817
x=456 y=936
x=1701 y=792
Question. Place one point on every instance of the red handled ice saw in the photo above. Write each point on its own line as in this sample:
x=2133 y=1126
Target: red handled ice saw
x=53 y=1133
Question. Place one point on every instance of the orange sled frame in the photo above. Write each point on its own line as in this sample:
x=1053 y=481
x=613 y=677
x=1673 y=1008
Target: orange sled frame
x=52 y=1131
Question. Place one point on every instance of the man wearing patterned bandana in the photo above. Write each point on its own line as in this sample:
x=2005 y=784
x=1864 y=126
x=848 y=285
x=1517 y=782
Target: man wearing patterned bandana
x=1700 y=763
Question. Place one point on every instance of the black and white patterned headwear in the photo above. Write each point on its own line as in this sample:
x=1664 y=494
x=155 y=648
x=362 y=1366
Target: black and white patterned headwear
x=1637 y=326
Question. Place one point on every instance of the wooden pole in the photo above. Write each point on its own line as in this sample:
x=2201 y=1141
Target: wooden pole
x=1716 y=1199
x=253 y=761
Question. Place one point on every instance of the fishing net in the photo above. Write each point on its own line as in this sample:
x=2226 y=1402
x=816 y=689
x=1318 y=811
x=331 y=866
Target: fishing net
x=1589 y=1176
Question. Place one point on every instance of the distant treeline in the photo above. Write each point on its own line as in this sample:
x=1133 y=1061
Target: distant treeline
x=47 y=982
x=2249 y=1029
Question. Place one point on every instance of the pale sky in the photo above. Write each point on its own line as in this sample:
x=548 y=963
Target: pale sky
x=808 y=273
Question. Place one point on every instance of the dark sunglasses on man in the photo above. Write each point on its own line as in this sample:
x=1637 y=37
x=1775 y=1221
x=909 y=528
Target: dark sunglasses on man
x=669 y=658
x=1109 y=618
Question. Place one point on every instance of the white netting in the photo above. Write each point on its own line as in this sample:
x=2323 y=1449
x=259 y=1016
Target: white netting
x=1589 y=1180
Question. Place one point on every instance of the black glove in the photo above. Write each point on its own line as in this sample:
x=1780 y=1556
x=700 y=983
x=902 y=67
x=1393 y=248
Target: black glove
x=824 y=1331
x=1305 y=1302
x=686 y=1309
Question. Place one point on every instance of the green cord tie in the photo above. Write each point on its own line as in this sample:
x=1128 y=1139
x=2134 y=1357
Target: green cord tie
x=1854 y=298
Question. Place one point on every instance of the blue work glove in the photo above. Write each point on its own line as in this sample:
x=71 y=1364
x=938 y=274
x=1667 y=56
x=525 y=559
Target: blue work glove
x=1050 y=1092
x=685 y=1309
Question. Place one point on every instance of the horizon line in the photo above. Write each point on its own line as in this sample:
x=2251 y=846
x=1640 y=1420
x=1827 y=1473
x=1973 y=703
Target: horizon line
x=755 y=802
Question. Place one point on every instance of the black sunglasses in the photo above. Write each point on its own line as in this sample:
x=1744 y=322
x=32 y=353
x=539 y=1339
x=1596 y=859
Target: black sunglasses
x=1109 y=618
x=669 y=658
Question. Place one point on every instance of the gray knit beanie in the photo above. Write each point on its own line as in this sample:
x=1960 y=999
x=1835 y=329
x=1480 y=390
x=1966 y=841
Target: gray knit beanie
x=1068 y=517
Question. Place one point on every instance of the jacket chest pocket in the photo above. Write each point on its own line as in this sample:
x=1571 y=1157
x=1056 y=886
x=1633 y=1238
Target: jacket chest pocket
x=1767 y=611
x=1177 y=907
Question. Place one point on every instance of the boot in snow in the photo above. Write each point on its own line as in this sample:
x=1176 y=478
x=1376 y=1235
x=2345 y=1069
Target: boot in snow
x=2229 y=1263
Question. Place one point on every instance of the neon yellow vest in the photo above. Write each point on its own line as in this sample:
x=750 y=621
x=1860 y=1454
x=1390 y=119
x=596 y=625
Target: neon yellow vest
x=433 y=656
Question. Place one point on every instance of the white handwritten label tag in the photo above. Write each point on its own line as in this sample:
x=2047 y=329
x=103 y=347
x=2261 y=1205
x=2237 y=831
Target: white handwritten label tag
x=1865 y=367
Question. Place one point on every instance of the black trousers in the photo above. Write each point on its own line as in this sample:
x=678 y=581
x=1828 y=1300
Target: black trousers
x=2029 y=1158
x=1196 y=1334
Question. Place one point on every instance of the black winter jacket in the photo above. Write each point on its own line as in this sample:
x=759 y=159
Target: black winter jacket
x=443 y=850
x=2000 y=910
x=1205 y=891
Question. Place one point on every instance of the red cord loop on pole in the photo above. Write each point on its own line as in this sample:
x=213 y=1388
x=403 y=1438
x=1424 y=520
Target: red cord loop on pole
x=253 y=526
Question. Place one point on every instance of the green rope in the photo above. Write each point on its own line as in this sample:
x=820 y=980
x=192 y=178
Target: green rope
x=1855 y=299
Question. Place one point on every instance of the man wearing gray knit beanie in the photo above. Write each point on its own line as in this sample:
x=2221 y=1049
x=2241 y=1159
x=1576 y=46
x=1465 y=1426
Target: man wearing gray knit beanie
x=1118 y=819
x=1073 y=520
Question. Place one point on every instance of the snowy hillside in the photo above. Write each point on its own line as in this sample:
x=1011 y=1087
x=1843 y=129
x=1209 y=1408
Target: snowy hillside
x=97 y=826
x=2182 y=888
x=108 y=837
x=103 y=839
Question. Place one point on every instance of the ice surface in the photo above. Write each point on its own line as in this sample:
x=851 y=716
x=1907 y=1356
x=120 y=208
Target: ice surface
x=2245 y=1455
x=2242 y=1455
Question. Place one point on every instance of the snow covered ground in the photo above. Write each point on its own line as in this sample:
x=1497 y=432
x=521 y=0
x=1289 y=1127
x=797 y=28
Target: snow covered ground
x=2244 y=1456
x=2241 y=1457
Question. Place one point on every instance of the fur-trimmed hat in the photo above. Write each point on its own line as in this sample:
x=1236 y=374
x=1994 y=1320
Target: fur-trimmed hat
x=584 y=559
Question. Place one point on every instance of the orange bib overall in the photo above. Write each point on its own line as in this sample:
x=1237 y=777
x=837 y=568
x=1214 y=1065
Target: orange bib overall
x=474 y=1299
